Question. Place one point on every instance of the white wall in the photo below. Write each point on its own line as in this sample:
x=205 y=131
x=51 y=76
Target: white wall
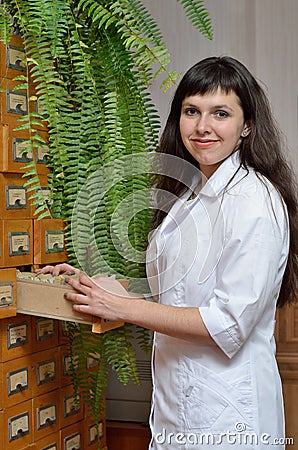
x=277 y=63
x=263 y=34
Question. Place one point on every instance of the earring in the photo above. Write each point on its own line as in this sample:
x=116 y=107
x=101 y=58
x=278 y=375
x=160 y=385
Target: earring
x=244 y=133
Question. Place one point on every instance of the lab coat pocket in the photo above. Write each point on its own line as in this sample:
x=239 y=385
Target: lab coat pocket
x=216 y=402
x=203 y=406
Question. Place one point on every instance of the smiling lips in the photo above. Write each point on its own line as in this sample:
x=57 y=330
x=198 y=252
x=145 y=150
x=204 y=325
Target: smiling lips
x=204 y=143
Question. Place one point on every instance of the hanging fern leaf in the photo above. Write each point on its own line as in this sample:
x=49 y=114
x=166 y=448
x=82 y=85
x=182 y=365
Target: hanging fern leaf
x=198 y=15
x=5 y=23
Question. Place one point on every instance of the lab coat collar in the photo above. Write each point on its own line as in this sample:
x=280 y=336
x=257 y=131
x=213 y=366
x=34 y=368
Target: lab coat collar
x=219 y=180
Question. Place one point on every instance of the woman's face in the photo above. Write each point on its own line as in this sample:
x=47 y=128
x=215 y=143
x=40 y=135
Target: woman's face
x=211 y=126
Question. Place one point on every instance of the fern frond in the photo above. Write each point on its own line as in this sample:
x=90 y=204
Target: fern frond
x=198 y=15
x=5 y=23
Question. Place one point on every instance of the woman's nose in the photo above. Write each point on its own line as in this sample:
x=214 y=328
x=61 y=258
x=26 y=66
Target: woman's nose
x=204 y=124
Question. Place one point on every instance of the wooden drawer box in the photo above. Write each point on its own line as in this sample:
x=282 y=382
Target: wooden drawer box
x=46 y=371
x=13 y=103
x=49 y=244
x=17 y=241
x=51 y=442
x=45 y=415
x=45 y=333
x=63 y=336
x=71 y=437
x=8 y=292
x=91 y=434
x=18 y=426
x=15 y=337
x=41 y=153
x=12 y=58
x=18 y=381
x=65 y=364
x=12 y=148
x=42 y=193
x=13 y=154
x=71 y=406
x=47 y=300
x=14 y=202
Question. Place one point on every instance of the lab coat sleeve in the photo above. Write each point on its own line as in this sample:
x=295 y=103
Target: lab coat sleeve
x=249 y=271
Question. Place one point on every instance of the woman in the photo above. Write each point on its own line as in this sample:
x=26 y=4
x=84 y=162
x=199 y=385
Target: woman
x=221 y=256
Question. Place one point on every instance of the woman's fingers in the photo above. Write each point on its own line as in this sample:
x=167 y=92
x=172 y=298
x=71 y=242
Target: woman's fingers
x=100 y=298
x=88 y=286
x=58 y=269
x=76 y=298
x=46 y=269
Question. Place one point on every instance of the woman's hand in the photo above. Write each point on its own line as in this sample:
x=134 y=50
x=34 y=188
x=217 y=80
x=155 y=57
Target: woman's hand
x=104 y=297
x=59 y=269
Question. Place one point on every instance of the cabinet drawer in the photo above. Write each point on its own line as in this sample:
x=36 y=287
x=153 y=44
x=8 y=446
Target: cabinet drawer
x=46 y=371
x=8 y=292
x=18 y=426
x=16 y=337
x=14 y=203
x=18 y=381
x=49 y=241
x=45 y=415
x=12 y=58
x=17 y=242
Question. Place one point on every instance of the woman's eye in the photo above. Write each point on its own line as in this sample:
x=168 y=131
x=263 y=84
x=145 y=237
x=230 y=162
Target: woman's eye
x=190 y=111
x=221 y=114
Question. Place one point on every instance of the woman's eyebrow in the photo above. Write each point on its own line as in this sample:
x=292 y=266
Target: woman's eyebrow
x=224 y=106
x=221 y=106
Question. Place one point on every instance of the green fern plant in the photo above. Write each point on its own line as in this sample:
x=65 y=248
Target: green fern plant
x=91 y=62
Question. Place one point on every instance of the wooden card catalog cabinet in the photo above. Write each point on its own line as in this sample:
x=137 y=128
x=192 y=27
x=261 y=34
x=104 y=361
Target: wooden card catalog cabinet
x=12 y=58
x=8 y=291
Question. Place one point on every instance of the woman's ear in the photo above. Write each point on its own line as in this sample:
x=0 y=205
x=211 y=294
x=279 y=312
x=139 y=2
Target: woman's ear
x=246 y=130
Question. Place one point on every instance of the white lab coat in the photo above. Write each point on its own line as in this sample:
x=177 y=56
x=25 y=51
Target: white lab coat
x=224 y=252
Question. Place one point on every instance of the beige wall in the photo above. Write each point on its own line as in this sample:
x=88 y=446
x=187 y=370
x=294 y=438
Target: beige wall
x=263 y=34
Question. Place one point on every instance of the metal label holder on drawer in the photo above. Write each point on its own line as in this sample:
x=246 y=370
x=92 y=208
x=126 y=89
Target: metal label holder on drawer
x=47 y=300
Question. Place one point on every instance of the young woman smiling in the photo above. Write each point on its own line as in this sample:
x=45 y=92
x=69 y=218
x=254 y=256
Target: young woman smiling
x=221 y=256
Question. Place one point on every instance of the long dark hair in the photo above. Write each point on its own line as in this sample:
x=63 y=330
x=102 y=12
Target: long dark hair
x=260 y=150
